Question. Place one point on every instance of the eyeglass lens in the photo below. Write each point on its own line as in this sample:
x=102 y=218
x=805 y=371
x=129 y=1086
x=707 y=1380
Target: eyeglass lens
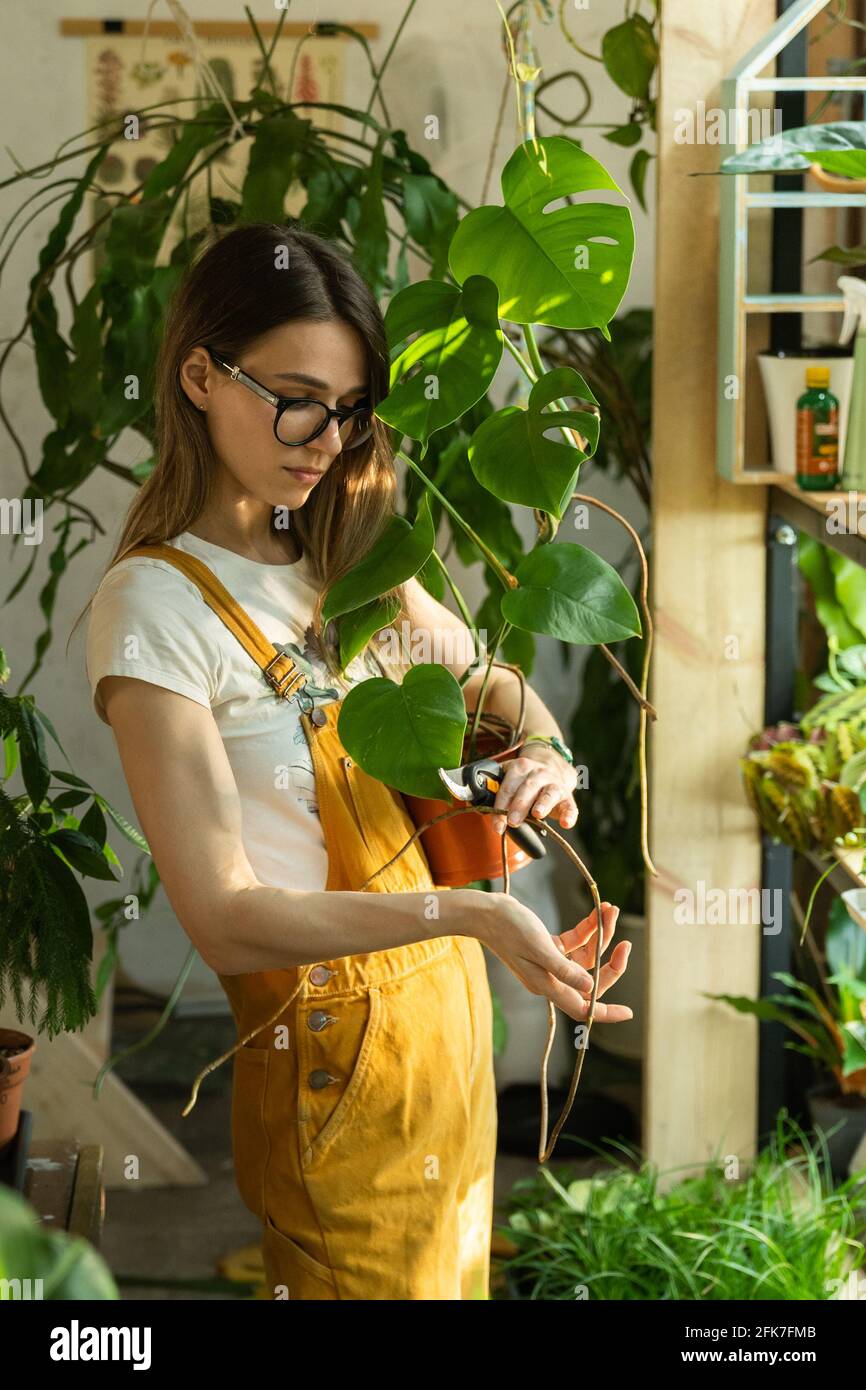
x=298 y=422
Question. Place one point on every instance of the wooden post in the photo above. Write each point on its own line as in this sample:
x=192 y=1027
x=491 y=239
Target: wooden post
x=708 y=557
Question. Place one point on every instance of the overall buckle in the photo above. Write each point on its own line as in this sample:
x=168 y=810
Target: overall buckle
x=283 y=685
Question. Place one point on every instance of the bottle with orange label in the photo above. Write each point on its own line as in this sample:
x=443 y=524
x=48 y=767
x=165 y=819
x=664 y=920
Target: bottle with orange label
x=817 y=433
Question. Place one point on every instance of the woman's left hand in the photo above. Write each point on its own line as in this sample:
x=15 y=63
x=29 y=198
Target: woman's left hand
x=538 y=785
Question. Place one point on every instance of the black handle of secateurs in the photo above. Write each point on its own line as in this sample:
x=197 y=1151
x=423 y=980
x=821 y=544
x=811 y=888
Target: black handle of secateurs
x=474 y=777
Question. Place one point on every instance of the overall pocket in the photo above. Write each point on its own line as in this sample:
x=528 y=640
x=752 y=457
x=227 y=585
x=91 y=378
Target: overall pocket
x=250 y=1144
x=289 y=1267
x=342 y=1051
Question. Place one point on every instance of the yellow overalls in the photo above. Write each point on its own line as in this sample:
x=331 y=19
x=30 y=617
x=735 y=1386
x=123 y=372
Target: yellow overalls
x=364 y=1119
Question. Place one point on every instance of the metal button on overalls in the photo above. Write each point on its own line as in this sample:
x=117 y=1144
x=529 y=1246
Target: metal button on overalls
x=319 y=1020
x=319 y=1079
x=319 y=717
x=320 y=975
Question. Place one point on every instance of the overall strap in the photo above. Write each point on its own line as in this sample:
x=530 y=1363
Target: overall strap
x=279 y=670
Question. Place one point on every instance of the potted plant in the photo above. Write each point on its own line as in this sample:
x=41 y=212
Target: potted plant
x=16 y=1052
x=804 y=781
x=830 y=1022
x=779 y=1231
x=55 y=829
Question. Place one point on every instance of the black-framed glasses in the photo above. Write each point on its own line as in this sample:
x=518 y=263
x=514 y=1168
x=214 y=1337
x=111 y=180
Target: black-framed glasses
x=301 y=419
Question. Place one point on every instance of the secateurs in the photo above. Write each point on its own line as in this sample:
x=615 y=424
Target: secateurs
x=478 y=782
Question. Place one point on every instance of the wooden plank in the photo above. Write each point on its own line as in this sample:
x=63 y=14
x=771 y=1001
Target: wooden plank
x=205 y=28
x=50 y=1180
x=58 y=1092
x=87 y=1209
x=708 y=562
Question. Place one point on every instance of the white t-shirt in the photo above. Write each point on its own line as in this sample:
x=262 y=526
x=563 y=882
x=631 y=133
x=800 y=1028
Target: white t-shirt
x=148 y=620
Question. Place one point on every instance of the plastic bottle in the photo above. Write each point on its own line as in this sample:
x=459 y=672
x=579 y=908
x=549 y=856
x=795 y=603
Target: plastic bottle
x=854 y=464
x=817 y=433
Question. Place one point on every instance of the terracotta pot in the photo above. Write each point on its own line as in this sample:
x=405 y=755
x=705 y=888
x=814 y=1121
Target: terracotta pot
x=14 y=1069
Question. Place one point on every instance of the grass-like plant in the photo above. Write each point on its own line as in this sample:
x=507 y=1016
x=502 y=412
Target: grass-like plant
x=779 y=1232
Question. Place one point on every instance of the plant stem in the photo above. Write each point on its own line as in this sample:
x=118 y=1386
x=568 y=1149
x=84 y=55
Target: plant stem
x=519 y=359
x=479 y=707
x=812 y=897
x=507 y=580
x=538 y=365
x=464 y=611
x=387 y=58
x=266 y=54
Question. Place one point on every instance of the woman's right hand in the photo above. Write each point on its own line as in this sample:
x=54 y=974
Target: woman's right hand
x=520 y=939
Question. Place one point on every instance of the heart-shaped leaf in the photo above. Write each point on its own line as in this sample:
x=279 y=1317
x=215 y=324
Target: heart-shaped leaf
x=512 y=457
x=398 y=554
x=401 y=734
x=358 y=626
x=453 y=359
x=630 y=54
x=569 y=592
x=568 y=267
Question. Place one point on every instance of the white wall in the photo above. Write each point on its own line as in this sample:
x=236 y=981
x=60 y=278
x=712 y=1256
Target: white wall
x=449 y=62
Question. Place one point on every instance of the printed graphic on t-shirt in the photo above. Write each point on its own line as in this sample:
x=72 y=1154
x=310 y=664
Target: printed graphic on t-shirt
x=319 y=689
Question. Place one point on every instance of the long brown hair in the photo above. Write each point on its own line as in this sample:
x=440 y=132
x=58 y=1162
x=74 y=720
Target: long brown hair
x=231 y=295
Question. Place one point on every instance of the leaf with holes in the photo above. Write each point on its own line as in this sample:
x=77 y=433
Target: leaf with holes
x=449 y=366
x=511 y=455
x=568 y=267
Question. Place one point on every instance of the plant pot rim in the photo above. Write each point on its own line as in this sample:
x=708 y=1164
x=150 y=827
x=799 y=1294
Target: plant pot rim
x=829 y=1090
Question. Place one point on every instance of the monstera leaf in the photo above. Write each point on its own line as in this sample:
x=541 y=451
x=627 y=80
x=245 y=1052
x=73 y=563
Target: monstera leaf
x=512 y=457
x=402 y=733
x=569 y=592
x=453 y=359
x=568 y=267
x=398 y=554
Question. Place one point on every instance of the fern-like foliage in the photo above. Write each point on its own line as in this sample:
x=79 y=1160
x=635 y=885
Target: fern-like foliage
x=46 y=936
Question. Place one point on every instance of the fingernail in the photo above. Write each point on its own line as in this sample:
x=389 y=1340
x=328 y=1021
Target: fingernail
x=513 y=817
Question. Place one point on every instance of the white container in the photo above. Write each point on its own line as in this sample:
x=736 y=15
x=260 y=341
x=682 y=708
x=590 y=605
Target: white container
x=784 y=379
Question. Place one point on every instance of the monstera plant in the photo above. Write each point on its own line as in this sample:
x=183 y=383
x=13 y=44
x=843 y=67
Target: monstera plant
x=528 y=264
x=557 y=252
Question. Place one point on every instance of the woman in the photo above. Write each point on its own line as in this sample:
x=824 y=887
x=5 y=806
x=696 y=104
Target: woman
x=364 y=1121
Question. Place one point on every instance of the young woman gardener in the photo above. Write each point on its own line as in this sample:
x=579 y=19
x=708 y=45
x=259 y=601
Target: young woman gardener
x=364 y=1117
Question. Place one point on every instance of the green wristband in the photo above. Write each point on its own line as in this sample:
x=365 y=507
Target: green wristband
x=554 y=743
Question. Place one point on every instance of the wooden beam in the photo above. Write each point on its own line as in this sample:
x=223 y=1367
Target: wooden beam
x=205 y=28
x=708 y=557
